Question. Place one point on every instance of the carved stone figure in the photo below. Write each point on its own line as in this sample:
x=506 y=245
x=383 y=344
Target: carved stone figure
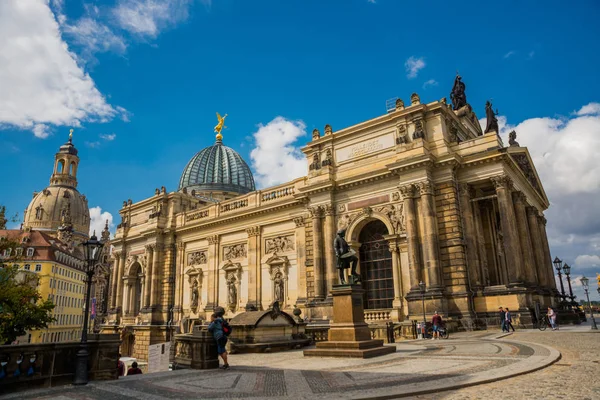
x=402 y=137
x=399 y=104
x=315 y=164
x=39 y=212
x=419 y=132
x=235 y=251
x=231 y=293
x=196 y=258
x=396 y=215
x=346 y=257
x=415 y=99
x=458 y=96
x=328 y=158
x=492 y=121
x=316 y=134
x=278 y=287
x=279 y=244
x=512 y=139
x=194 y=294
x=328 y=130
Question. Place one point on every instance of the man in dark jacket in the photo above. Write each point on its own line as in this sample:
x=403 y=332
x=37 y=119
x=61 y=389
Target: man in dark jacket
x=502 y=316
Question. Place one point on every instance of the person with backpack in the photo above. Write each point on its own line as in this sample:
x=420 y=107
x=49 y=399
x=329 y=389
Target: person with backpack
x=220 y=329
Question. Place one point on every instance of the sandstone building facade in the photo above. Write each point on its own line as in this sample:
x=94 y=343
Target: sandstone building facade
x=423 y=193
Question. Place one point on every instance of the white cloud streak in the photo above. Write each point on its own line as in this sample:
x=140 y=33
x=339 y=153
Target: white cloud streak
x=148 y=17
x=413 y=65
x=509 y=54
x=41 y=82
x=430 y=83
x=109 y=137
x=275 y=159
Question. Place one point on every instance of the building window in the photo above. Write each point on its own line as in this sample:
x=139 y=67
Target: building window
x=38 y=268
x=30 y=252
x=27 y=267
x=376 y=266
x=6 y=252
x=19 y=251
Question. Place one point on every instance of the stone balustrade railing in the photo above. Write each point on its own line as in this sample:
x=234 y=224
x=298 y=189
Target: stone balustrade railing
x=278 y=193
x=377 y=316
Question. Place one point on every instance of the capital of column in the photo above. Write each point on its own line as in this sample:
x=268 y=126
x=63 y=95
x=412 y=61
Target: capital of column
x=180 y=245
x=394 y=246
x=150 y=247
x=542 y=219
x=329 y=210
x=299 y=221
x=316 y=211
x=116 y=254
x=502 y=182
x=466 y=190
x=519 y=197
x=407 y=191
x=213 y=239
x=253 y=231
x=425 y=188
x=532 y=210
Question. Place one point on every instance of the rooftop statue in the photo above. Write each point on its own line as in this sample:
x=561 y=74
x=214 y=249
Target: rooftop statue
x=492 y=121
x=221 y=125
x=458 y=96
x=345 y=256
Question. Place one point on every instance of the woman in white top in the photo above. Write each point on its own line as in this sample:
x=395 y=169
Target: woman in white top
x=552 y=317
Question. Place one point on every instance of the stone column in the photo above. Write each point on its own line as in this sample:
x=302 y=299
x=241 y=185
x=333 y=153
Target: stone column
x=213 y=274
x=396 y=273
x=547 y=266
x=114 y=280
x=470 y=235
x=149 y=269
x=512 y=248
x=127 y=297
x=520 y=202
x=120 y=280
x=485 y=275
x=412 y=236
x=430 y=240
x=319 y=276
x=329 y=235
x=155 y=278
x=538 y=249
x=301 y=258
x=254 y=269
x=180 y=262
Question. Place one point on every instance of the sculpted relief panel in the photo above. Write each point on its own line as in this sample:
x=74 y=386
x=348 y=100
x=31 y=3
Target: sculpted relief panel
x=279 y=244
x=235 y=251
x=196 y=258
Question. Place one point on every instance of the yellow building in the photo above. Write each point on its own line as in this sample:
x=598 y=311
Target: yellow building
x=56 y=222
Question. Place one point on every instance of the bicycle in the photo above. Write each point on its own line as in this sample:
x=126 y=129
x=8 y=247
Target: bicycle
x=442 y=332
x=543 y=323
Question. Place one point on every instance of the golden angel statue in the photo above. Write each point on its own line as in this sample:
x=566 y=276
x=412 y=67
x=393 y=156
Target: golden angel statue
x=221 y=125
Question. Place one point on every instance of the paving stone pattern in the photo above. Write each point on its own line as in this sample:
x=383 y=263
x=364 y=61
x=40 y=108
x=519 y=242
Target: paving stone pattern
x=416 y=366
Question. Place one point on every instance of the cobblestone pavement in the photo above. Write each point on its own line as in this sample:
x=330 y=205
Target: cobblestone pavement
x=576 y=376
x=417 y=366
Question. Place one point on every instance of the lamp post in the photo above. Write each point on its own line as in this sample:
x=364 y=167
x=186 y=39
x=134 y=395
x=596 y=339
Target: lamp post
x=91 y=250
x=558 y=266
x=584 y=282
x=567 y=271
x=422 y=288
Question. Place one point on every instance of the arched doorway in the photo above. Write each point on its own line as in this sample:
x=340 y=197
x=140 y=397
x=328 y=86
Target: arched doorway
x=135 y=289
x=376 y=266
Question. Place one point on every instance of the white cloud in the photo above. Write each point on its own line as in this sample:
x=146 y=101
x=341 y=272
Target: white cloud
x=413 y=65
x=94 y=36
x=98 y=220
x=275 y=159
x=109 y=137
x=589 y=109
x=587 y=261
x=149 y=17
x=509 y=54
x=430 y=83
x=42 y=84
x=93 y=145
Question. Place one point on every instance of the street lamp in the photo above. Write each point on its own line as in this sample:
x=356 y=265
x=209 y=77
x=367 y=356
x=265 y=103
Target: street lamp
x=558 y=266
x=422 y=288
x=91 y=250
x=567 y=271
x=584 y=282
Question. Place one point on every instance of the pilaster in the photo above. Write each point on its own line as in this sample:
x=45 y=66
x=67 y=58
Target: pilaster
x=301 y=258
x=429 y=238
x=213 y=274
x=319 y=276
x=329 y=235
x=254 y=269
x=412 y=236
x=470 y=236
x=538 y=246
x=148 y=273
x=525 y=238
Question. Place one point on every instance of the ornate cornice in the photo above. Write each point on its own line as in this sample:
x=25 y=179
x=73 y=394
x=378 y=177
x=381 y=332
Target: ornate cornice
x=253 y=231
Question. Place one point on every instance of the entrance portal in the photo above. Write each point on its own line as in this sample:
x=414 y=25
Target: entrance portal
x=376 y=266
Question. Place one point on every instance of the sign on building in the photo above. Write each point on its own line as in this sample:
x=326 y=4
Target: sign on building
x=158 y=357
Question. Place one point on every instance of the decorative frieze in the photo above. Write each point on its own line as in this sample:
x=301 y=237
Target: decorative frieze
x=235 y=251
x=197 y=258
x=279 y=244
x=196 y=215
x=395 y=213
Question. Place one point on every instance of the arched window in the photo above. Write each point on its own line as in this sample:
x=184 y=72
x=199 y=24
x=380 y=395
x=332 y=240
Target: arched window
x=72 y=169
x=60 y=166
x=376 y=266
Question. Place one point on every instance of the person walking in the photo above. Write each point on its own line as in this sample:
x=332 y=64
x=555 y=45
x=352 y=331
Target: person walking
x=502 y=316
x=436 y=322
x=134 y=370
x=508 y=320
x=216 y=328
x=552 y=318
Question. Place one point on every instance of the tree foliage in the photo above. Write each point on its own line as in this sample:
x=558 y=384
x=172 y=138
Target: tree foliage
x=21 y=305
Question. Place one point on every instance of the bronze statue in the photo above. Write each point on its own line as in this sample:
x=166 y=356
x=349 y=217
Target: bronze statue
x=512 y=139
x=458 y=96
x=492 y=121
x=345 y=256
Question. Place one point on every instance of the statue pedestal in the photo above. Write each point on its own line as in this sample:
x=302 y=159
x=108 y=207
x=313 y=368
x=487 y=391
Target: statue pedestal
x=349 y=335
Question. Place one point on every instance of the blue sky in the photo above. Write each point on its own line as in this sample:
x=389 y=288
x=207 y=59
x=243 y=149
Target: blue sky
x=154 y=73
